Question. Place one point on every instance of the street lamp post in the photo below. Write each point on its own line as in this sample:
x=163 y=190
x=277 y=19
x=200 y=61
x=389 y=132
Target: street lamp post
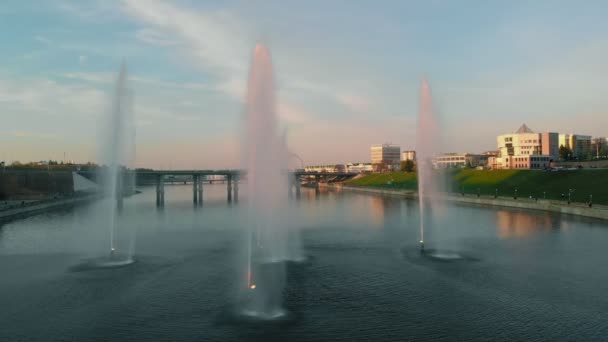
x=544 y=195
x=496 y=193
x=515 y=196
x=570 y=191
x=478 y=192
x=590 y=201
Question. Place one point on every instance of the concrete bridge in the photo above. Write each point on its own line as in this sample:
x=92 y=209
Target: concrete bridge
x=231 y=178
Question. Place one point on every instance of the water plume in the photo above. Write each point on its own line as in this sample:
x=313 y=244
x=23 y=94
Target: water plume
x=427 y=147
x=117 y=154
x=265 y=159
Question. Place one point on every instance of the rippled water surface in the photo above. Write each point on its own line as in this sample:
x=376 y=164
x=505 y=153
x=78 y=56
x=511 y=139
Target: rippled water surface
x=507 y=275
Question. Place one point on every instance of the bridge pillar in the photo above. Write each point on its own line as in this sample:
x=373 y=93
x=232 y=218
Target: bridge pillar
x=160 y=191
x=229 y=187
x=200 y=189
x=317 y=181
x=236 y=188
x=119 y=191
x=297 y=185
x=195 y=189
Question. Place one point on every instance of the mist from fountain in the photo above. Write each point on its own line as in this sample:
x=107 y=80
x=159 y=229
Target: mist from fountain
x=294 y=242
x=427 y=147
x=265 y=158
x=117 y=143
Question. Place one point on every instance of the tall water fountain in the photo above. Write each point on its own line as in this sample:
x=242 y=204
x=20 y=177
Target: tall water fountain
x=117 y=153
x=427 y=147
x=267 y=185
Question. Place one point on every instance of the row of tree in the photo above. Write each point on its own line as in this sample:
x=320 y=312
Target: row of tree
x=407 y=166
x=600 y=150
x=47 y=165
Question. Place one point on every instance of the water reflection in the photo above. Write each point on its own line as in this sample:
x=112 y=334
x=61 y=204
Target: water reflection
x=513 y=224
x=385 y=211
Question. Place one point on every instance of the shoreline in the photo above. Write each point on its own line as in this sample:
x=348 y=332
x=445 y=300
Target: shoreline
x=38 y=207
x=578 y=209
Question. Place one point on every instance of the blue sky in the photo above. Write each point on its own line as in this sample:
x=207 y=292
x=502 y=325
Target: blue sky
x=347 y=73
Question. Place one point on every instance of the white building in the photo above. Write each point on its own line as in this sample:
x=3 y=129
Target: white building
x=350 y=167
x=326 y=168
x=525 y=149
x=408 y=155
x=450 y=160
x=580 y=145
x=385 y=156
x=359 y=167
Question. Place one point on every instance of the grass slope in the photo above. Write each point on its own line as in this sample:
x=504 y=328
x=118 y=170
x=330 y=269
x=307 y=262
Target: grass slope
x=527 y=183
x=393 y=180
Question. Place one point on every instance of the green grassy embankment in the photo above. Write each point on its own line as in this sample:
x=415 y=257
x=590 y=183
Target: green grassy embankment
x=393 y=180
x=527 y=182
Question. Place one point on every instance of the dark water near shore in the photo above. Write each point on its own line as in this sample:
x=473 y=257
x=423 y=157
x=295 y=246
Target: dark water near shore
x=528 y=275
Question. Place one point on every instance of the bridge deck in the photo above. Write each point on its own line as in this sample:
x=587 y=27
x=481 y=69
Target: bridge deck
x=230 y=173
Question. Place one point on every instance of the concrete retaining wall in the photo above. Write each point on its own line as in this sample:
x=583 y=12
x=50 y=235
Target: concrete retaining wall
x=36 y=207
x=580 y=209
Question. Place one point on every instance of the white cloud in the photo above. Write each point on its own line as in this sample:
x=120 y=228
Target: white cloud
x=94 y=10
x=217 y=42
x=29 y=134
x=217 y=39
x=43 y=40
x=354 y=102
x=107 y=78
x=155 y=37
x=82 y=59
x=48 y=97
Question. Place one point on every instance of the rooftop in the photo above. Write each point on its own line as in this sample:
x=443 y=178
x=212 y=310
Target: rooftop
x=524 y=129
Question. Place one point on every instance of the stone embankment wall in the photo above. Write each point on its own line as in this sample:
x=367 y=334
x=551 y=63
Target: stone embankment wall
x=580 y=209
x=15 y=209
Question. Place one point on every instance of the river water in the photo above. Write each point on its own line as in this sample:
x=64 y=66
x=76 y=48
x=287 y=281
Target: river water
x=524 y=275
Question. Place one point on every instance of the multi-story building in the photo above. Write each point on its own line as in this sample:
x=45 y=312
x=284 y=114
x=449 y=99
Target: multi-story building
x=523 y=142
x=578 y=144
x=359 y=167
x=326 y=168
x=493 y=153
x=385 y=156
x=350 y=167
x=549 y=143
x=449 y=160
x=408 y=155
x=525 y=149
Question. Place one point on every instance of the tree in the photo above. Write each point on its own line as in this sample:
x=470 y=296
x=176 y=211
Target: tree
x=383 y=166
x=407 y=166
x=603 y=151
x=564 y=153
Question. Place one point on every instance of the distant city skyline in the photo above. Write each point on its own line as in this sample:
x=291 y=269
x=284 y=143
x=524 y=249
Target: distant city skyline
x=347 y=74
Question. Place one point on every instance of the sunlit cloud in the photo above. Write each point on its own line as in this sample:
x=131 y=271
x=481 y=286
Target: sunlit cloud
x=218 y=42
